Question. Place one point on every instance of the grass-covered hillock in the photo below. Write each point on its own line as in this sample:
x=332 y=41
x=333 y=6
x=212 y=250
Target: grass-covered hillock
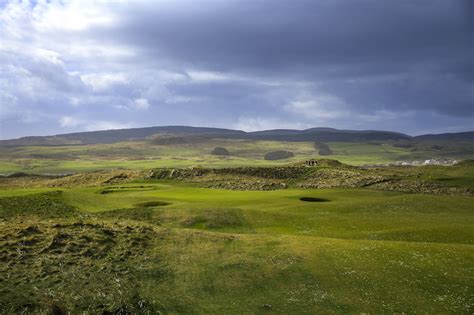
x=97 y=178
x=47 y=205
x=325 y=174
x=283 y=172
x=334 y=177
x=420 y=187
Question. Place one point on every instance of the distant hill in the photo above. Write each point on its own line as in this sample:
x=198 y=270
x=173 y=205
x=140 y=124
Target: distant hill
x=312 y=134
x=112 y=136
x=327 y=135
x=459 y=136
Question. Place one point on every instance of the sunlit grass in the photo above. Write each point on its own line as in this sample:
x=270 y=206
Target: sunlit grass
x=179 y=248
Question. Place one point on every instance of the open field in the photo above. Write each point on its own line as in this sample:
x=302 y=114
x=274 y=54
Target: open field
x=173 y=246
x=146 y=154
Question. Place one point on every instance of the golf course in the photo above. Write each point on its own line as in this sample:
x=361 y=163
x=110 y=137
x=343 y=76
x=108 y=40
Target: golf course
x=237 y=157
x=122 y=242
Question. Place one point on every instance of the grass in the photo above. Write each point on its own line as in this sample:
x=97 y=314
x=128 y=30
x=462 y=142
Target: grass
x=347 y=213
x=173 y=247
x=221 y=251
x=145 y=155
x=364 y=153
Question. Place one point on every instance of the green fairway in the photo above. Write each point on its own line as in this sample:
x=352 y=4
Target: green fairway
x=354 y=214
x=353 y=250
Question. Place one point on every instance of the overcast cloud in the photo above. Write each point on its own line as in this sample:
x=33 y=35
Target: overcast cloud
x=249 y=64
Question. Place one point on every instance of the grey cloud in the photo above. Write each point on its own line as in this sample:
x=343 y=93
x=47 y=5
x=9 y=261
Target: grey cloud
x=424 y=47
x=265 y=34
x=401 y=65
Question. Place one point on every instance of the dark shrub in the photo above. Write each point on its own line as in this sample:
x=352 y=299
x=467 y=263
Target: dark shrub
x=323 y=148
x=220 y=151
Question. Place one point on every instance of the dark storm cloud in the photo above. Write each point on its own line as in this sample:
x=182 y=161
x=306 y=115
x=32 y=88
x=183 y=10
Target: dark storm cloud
x=227 y=35
x=424 y=47
x=366 y=64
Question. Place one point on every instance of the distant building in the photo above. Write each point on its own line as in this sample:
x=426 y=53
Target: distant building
x=432 y=161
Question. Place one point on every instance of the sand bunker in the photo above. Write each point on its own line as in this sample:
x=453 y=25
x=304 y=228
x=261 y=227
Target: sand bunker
x=147 y=204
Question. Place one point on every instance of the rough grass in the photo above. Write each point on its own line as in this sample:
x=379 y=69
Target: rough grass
x=214 y=251
x=47 y=205
x=74 y=266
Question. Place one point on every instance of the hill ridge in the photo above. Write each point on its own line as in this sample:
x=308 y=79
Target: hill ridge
x=310 y=134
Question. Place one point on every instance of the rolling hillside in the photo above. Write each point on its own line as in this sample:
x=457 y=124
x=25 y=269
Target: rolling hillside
x=312 y=134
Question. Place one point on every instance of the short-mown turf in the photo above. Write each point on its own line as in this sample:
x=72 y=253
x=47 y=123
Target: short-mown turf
x=166 y=246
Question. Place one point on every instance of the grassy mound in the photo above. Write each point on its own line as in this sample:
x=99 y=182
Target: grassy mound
x=47 y=205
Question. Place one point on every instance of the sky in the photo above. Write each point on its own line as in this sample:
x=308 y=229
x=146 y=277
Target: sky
x=68 y=66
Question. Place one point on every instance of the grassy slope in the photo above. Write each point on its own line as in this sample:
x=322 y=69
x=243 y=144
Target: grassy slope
x=142 y=154
x=234 y=251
